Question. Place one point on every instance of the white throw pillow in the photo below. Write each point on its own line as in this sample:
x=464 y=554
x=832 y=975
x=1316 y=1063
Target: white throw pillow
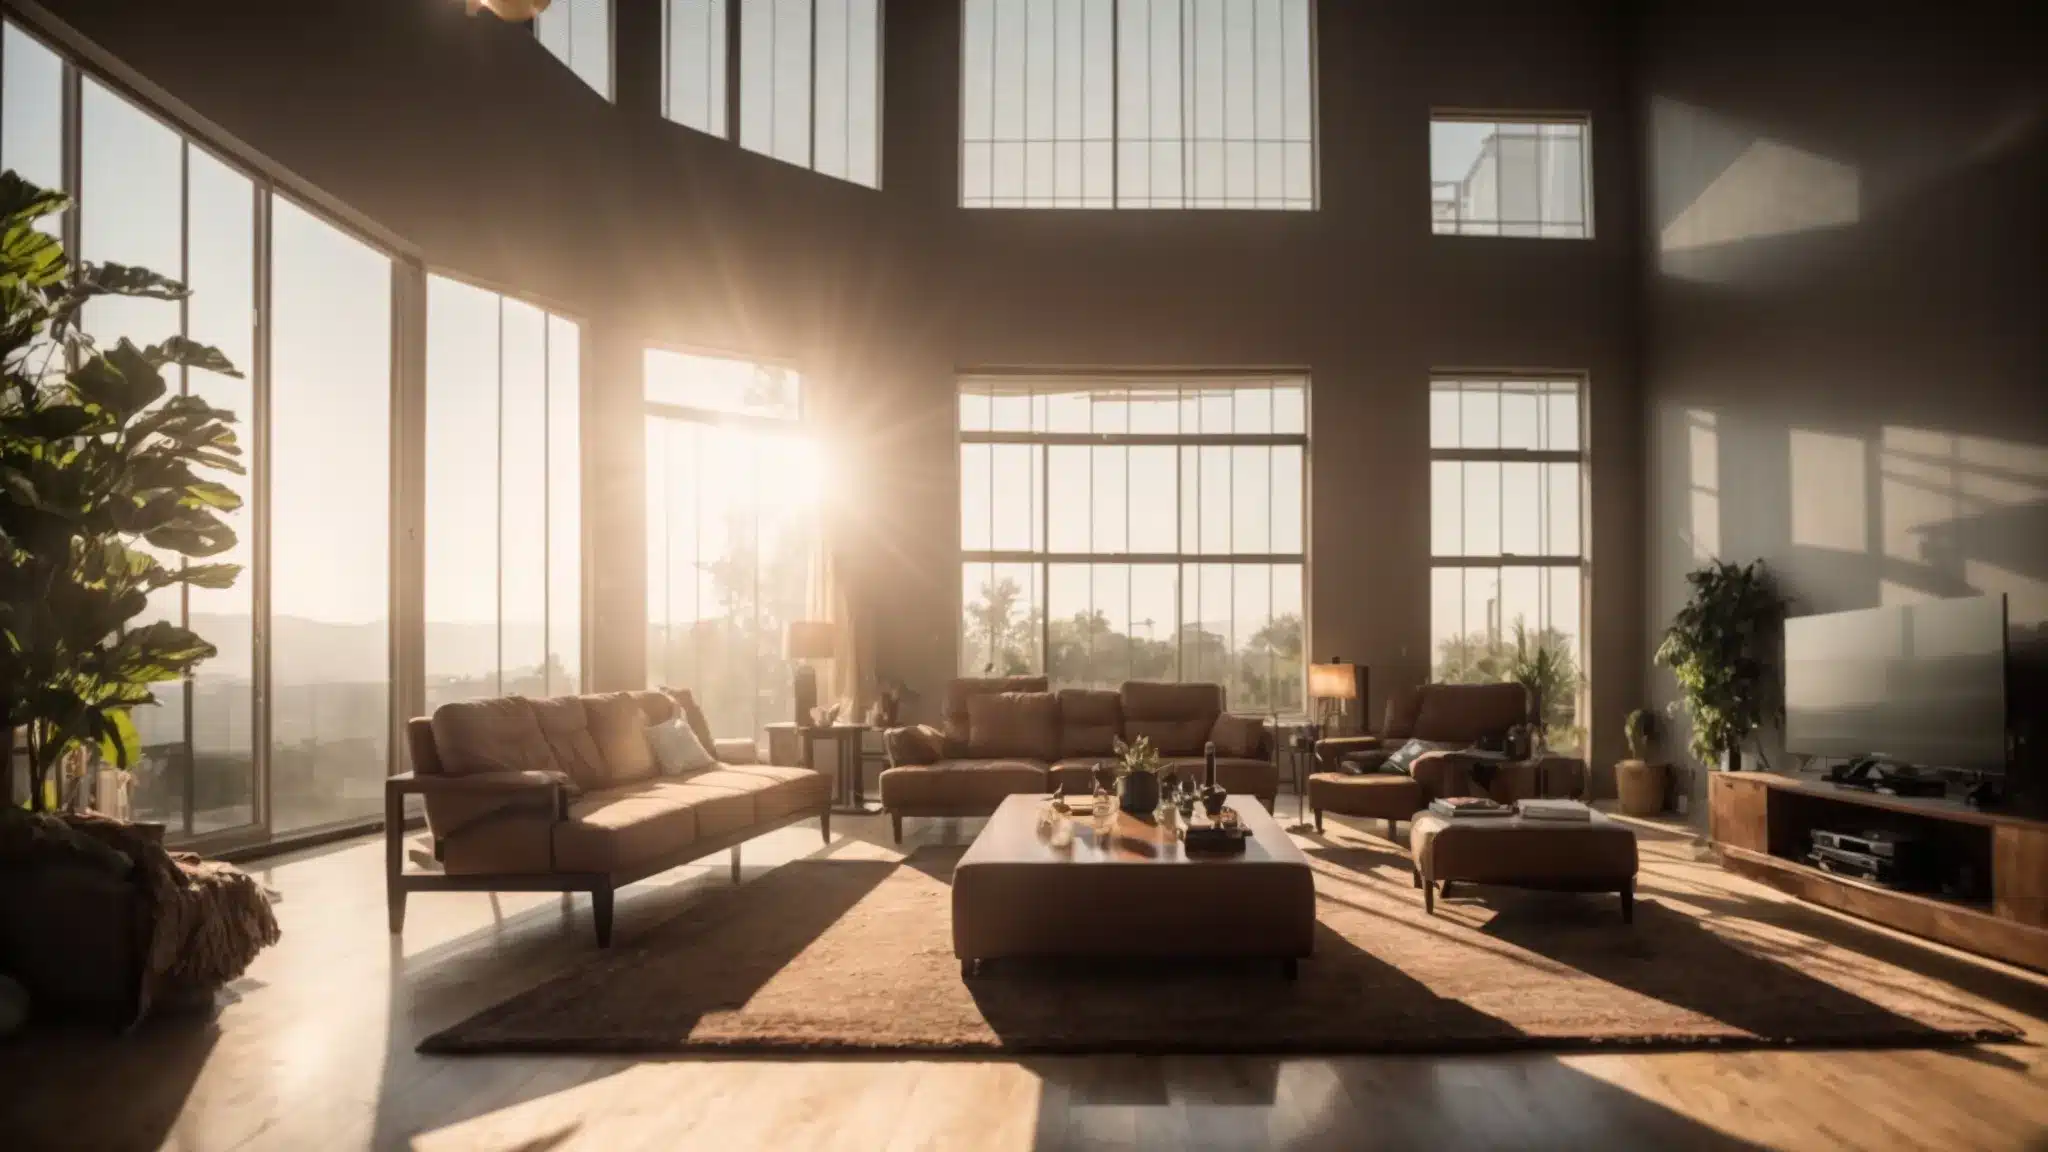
x=677 y=749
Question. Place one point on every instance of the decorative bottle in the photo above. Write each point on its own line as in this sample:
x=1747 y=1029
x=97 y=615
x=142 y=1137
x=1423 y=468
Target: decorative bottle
x=1209 y=765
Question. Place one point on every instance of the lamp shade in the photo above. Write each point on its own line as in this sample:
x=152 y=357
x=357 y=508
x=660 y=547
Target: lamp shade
x=810 y=640
x=1333 y=681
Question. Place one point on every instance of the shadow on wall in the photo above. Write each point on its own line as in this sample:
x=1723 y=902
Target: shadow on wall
x=1843 y=349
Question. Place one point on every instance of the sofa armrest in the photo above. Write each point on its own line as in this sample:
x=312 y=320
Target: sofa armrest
x=736 y=750
x=1330 y=750
x=1452 y=773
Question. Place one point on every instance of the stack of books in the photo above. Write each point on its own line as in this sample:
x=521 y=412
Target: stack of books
x=1562 y=811
x=1469 y=808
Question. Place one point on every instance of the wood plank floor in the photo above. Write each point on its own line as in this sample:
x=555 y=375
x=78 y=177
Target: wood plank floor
x=313 y=1050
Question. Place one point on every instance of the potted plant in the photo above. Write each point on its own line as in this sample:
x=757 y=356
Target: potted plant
x=107 y=497
x=1719 y=647
x=1642 y=783
x=1138 y=789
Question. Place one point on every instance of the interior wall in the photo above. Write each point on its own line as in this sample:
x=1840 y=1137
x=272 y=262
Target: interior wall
x=462 y=137
x=1844 y=334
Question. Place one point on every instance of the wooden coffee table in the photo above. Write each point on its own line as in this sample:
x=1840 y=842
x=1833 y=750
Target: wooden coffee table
x=1134 y=892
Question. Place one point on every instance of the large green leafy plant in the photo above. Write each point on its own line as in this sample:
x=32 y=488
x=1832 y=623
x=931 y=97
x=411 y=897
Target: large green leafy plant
x=1719 y=647
x=104 y=498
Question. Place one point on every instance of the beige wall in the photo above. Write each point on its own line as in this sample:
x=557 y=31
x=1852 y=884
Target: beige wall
x=462 y=138
x=1843 y=274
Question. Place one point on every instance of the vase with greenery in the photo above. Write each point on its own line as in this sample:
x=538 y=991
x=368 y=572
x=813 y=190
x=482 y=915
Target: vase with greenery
x=1719 y=648
x=107 y=493
x=1641 y=781
x=1544 y=667
x=1138 y=788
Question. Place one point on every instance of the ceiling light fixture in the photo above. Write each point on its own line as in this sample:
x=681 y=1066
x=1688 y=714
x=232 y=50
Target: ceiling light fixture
x=514 y=10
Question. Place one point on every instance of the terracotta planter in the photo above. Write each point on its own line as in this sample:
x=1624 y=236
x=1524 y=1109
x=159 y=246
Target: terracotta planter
x=1642 y=786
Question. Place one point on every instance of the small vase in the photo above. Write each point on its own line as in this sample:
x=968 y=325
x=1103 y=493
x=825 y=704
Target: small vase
x=1140 y=793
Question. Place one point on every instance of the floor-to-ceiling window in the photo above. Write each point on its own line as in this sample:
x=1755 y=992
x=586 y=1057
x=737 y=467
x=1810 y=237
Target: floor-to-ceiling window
x=287 y=728
x=732 y=498
x=330 y=521
x=1136 y=527
x=503 y=552
x=1507 y=538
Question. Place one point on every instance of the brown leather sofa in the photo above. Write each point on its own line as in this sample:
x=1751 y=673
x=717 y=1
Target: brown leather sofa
x=1011 y=735
x=1347 y=780
x=564 y=795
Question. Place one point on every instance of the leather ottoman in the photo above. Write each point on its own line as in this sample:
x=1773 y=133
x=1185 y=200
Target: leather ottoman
x=1597 y=855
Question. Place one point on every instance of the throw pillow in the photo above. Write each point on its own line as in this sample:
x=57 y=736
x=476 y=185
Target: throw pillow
x=677 y=749
x=915 y=744
x=1238 y=737
x=1404 y=758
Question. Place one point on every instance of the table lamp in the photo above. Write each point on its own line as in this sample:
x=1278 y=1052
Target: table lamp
x=808 y=640
x=1333 y=684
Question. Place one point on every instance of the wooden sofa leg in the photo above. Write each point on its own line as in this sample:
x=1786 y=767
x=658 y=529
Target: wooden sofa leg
x=1628 y=902
x=735 y=863
x=601 y=915
x=395 y=899
x=896 y=826
x=825 y=825
x=1319 y=821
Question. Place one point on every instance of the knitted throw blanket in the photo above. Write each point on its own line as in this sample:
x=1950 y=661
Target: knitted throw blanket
x=199 y=923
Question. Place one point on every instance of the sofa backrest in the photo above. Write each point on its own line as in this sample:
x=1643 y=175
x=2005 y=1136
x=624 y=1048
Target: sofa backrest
x=1091 y=721
x=1177 y=718
x=962 y=689
x=1464 y=713
x=598 y=740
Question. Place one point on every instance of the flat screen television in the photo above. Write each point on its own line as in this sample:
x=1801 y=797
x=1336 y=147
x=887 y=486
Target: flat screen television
x=1921 y=684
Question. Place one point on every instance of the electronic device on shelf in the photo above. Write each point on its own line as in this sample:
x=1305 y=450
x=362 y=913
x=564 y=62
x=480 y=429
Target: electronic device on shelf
x=1876 y=842
x=1859 y=866
x=1873 y=775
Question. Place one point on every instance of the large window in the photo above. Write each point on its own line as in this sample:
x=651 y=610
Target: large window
x=287 y=728
x=1507 y=538
x=1510 y=178
x=330 y=522
x=1146 y=528
x=1138 y=104
x=503 y=555
x=810 y=79
x=732 y=497
x=579 y=33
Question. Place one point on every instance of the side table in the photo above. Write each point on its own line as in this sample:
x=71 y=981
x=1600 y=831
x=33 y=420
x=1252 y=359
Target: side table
x=847 y=796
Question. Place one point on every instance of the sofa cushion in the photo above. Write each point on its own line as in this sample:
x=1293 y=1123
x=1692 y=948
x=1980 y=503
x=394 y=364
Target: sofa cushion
x=1241 y=737
x=518 y=840
x=1403 y=759
x=1177 y=718
x=959 y=691
x=1023 y=724
x=1091 y=721
x=723 y=797
x=618 y=724
x=1402 y=708
x=619 y=829
x=785 y=791
x=1076 y=773
x=500 y=734
x=566 y=725
x=656 y=704
x=959 y=787
x=1246 y=777
x=1465 y=713
x=677 y=749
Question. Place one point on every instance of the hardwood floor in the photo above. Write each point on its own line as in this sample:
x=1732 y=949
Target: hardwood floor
x=313 y=1050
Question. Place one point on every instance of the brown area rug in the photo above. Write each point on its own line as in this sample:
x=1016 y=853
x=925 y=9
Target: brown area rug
x=856 y=955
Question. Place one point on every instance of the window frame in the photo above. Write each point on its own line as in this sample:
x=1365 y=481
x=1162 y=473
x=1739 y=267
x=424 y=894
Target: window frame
x=1043 y=558
x=1579 y=561
x=1116 y=139
x=1583 y=120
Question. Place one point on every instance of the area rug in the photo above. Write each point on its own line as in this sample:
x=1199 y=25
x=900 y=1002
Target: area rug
x=856 y=955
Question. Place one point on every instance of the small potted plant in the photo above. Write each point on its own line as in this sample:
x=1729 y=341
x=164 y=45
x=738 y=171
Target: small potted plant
x=1642 y=782
x=1138 y=790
